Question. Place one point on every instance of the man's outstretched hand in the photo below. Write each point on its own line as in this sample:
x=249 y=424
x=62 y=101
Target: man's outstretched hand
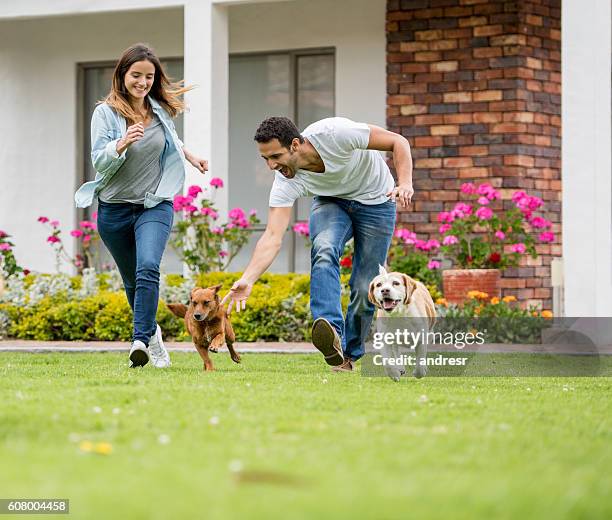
x=238 y=294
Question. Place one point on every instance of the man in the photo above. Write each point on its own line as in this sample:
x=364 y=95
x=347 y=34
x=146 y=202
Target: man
x=338 y=161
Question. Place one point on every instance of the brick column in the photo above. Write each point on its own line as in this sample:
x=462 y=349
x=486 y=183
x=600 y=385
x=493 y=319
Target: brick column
x=475 y=86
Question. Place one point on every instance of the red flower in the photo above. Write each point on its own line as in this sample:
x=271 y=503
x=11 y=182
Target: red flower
x=469 y=259
x=347 y=262
x=495 y=257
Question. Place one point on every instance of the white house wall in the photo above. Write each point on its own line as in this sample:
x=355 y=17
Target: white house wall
x=39 y=150
x=587 y=186
x=356 y=28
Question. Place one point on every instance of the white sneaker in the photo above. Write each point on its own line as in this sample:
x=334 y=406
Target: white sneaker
x=139 y=354
x=159 y=354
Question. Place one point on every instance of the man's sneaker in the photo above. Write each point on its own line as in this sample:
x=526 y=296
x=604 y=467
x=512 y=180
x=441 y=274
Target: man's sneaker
x=327 y=341
x=346 y=366
x=159 y=354
x=139 y=354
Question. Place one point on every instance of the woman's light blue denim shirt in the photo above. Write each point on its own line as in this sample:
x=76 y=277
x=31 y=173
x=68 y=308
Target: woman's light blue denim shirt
x=107 y=127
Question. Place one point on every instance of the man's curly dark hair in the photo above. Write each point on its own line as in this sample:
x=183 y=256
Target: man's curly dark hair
x=281 y=128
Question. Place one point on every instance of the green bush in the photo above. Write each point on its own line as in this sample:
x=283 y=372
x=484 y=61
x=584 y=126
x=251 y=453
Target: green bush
x=277 y=310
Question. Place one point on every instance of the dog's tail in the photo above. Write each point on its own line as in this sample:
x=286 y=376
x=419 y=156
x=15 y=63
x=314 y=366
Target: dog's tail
x=178 y=309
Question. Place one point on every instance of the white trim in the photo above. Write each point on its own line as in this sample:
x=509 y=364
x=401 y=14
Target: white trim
x=587 y=190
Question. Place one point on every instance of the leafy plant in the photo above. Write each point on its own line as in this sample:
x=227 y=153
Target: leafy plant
x=200 y=241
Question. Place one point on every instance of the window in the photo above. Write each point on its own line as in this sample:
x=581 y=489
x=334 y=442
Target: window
x=295 y=84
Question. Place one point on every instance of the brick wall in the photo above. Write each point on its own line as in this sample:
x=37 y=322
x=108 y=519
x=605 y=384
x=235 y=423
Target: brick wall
x=475 y=85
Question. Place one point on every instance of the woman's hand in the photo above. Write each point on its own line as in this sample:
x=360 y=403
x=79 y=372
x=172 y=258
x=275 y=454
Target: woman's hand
x=198 y=163
x=134 y=133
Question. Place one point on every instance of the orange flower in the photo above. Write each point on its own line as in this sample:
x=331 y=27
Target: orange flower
x=494 y=300
x=478 y=294
x=442 y=301
x=547 y=314
x=508 y=299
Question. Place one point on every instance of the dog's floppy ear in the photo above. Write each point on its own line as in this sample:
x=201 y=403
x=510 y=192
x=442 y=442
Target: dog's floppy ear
x=371 y=298
x=410 y=285
x=381 y=270
x=178 y=309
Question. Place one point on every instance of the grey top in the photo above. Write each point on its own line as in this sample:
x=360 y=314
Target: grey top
x=141 y=171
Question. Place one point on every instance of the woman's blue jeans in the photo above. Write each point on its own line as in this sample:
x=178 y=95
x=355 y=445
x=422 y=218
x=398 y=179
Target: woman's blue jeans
x=136 y=238
x=333 y=221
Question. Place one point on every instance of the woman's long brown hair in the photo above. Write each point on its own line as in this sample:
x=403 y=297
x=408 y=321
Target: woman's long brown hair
x=166 y=93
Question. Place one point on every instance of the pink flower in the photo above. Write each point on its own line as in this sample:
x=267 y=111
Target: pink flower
x=86 y=238
x=77 y=233
x=430 y=245
x=243 y=223
x=223 y=254
x=206 y=211
x=55 y=223
x=461 y=210
x=547 y=236
x=407 y=236
x=484 y=213
x=450 y=240
x=236 y=214
x=468 y=188
x=216 y=182
x=180 y=202
x=301 y=228
x=94 y=215
x=518 y=248
x=190 y=208
x=433 y=264
x=539 y=222
x=86 y=224
x=5 y=247
x=193 y=191
x=3 y=234
x=483 y=200
x=445 y=216
x=526 y=203
x=444 y=228
x=217 y=230
x=43 y=220
x=500 y=234
x=213 y=214
x=53 y=239
x=252 y=213
x=488 y=191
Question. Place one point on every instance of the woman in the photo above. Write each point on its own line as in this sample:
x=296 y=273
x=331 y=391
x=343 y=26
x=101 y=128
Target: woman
x=140 y=165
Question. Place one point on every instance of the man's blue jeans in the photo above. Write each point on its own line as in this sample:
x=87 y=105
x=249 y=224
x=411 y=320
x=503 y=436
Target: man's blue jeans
x=136 y=238
x=333 y=222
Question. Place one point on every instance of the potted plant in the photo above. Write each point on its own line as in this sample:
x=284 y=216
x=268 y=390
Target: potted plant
x=481 y=241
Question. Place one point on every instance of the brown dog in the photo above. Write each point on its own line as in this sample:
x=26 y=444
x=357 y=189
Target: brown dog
x=207 y=323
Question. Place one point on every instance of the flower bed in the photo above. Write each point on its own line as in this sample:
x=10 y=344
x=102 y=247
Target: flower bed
x=93 y=307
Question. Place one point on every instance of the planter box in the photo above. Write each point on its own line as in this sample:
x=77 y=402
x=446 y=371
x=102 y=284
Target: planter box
x=458 y=282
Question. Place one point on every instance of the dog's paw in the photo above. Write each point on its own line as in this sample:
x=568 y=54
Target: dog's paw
x=235 y=357
x=420 y=372
x=394 y=374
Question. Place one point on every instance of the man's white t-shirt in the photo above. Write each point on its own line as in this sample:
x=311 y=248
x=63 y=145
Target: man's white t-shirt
x=351 y=170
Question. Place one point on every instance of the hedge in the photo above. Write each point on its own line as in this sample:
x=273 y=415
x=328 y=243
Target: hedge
x=277 y=310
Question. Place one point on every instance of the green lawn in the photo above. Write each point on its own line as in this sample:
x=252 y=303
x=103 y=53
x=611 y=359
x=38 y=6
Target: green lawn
x=281 y=437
